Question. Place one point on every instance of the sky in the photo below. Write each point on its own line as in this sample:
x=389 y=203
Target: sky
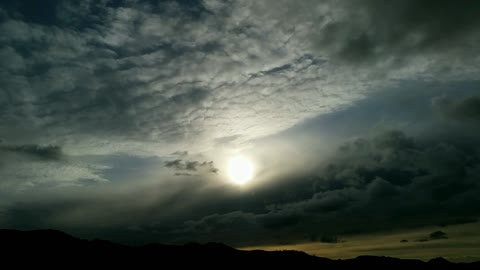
x=119 y=119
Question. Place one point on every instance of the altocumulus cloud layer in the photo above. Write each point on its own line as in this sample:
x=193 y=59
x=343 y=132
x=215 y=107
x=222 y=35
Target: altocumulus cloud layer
x=116 y=117
x=107 y=76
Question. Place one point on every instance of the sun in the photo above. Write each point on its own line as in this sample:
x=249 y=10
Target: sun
x=240 y=169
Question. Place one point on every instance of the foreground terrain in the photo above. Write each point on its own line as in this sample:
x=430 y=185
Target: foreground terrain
x=55 y=248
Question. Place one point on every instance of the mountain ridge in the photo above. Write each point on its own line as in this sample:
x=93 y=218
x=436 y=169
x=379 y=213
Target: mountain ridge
x=55 y=248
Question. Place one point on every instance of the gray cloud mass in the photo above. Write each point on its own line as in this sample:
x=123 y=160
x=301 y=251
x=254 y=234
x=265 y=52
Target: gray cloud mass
x=192 y=166
x=386 y=182
x=467 y=109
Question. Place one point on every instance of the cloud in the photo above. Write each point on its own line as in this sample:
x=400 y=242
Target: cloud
x=176 y=164
x=386 y=182
x=28 y=167
x=467 y=109
x=227 y=140
x=50 y=152
x=190 y=166
x=180 y=153
x=23 y=176
x=380 y=183
x=328 y=239
x=374 y=31
x=150 y=77
x=183 y=174
x=438 y=235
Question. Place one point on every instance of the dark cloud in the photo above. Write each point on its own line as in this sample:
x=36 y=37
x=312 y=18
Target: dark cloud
x=329 y=238
x=390 y=181
x=175 y=164
x=49 y=152
x=192 y=9
x=330 y=201
x=183 y=174
x=180 y=153
x=44 y=13
x=437 y=235
x=466 y=109
x=378 y=31
x=190 y=166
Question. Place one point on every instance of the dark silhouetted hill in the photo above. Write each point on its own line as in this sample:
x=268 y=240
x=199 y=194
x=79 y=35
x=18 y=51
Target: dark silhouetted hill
x=49 y=248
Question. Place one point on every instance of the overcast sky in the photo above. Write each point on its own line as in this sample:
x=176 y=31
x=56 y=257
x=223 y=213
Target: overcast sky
x=118 y=118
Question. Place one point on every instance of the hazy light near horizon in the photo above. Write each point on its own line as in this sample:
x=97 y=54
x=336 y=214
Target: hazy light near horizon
x=240 y=170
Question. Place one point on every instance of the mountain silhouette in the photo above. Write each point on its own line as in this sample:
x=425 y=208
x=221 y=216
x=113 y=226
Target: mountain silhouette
x=50 y=248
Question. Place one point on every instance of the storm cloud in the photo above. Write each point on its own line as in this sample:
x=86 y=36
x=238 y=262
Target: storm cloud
x=467 y=109
x=371 y=184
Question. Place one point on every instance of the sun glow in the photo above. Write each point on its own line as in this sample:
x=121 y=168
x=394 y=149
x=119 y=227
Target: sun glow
x=240 y=170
